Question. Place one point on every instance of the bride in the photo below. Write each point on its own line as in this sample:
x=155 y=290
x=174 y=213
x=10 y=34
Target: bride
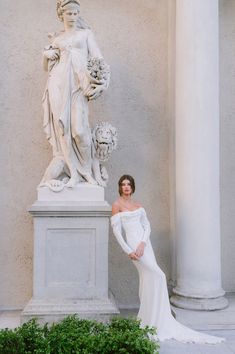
x=155 y=310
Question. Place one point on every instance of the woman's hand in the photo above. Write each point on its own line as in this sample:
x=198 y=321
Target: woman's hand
x=133 y=256
x=140 y=249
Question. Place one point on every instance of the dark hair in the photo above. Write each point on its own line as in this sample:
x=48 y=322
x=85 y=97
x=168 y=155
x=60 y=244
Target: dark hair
x=130 y=179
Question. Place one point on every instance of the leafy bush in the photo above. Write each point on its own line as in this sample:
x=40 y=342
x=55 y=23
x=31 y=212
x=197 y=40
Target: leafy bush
x=77 y=336
x=29 y=338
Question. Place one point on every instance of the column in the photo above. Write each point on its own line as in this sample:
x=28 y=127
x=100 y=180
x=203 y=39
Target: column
x=197 y=157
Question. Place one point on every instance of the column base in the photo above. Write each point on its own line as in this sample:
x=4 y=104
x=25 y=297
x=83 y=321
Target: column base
x=198 y=303
x=54 y=310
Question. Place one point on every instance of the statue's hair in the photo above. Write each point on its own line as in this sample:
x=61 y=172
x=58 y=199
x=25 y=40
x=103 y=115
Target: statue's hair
x=81 y=23
x=62 y=3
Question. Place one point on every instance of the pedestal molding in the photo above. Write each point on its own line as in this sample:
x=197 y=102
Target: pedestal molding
x=70 y=268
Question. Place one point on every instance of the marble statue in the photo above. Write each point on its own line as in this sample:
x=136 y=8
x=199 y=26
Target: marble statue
x=77 y=74
x=104 y=137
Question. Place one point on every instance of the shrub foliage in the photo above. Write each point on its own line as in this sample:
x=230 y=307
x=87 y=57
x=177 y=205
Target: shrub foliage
x=79 y=336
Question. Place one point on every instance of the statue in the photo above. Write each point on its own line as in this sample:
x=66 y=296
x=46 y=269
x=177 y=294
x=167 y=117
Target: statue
x=104 y=138
x=77 y=74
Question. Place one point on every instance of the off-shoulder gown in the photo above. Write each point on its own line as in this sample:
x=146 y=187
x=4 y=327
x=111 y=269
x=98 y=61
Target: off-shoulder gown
x=155 y=310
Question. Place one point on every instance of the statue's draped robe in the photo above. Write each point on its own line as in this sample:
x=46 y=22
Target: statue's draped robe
x=65 y=106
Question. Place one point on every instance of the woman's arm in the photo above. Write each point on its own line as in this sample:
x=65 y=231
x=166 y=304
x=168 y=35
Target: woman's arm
x=117 y=231
x=146 y=226
x=115 y=208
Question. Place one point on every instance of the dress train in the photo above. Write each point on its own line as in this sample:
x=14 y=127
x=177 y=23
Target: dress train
x=155 y=310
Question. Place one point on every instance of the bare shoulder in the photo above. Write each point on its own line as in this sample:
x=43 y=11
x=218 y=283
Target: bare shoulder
x=115 y=207
x=138 y=205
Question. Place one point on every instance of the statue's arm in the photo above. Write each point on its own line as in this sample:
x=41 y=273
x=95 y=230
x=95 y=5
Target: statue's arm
x=99 y=79
x=51 y=53
x=93 y=49
x=45 y=58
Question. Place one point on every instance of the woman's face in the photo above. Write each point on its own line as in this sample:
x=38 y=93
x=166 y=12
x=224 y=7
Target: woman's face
x=126 y=187
x=70 y=15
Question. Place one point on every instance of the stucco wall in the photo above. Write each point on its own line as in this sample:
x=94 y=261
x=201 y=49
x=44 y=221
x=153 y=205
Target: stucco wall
x=227 y=107
x=133 y=38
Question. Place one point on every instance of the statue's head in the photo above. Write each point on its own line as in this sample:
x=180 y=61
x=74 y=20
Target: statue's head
x=63 y=5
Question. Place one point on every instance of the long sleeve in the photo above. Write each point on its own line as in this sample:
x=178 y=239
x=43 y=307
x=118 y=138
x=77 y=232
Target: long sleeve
x=146 y=226
x=117 y=231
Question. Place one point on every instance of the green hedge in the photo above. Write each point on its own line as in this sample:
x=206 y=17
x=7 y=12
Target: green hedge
x=75 y=336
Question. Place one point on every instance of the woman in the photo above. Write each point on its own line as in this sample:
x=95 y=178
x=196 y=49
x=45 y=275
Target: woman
x=69 y=88
x=155 y=308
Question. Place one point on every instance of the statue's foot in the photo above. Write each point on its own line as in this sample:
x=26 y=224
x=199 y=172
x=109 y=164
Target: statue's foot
x=42 y=183
x=72 y=182
x=65 y=180
x=90 y=179
x=55 y=185
x=102 y=183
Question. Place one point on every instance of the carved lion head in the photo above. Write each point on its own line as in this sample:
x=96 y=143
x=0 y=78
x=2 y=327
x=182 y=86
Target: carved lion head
x=104 y=137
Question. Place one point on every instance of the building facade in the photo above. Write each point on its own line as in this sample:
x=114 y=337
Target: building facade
x=171 y=98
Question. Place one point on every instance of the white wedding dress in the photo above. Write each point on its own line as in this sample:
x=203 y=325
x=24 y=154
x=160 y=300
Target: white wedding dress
x=155 y=308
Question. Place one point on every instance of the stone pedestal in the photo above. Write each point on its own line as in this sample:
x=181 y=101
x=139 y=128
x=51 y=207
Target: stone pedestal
x=70 y=255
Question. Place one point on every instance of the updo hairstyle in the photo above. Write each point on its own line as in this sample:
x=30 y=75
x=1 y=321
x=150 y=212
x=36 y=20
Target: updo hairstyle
x=61 y=4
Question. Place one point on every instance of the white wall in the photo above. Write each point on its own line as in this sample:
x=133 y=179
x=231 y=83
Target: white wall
x=133 y=37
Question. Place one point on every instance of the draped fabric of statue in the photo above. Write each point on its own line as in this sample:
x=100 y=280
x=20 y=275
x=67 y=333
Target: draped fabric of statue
x=65 y=101
x=155 y=308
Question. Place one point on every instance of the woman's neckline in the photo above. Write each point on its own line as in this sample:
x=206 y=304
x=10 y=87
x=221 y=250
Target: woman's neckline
x=128 y=211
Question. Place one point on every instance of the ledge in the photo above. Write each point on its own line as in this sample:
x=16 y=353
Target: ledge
x=70 y=209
